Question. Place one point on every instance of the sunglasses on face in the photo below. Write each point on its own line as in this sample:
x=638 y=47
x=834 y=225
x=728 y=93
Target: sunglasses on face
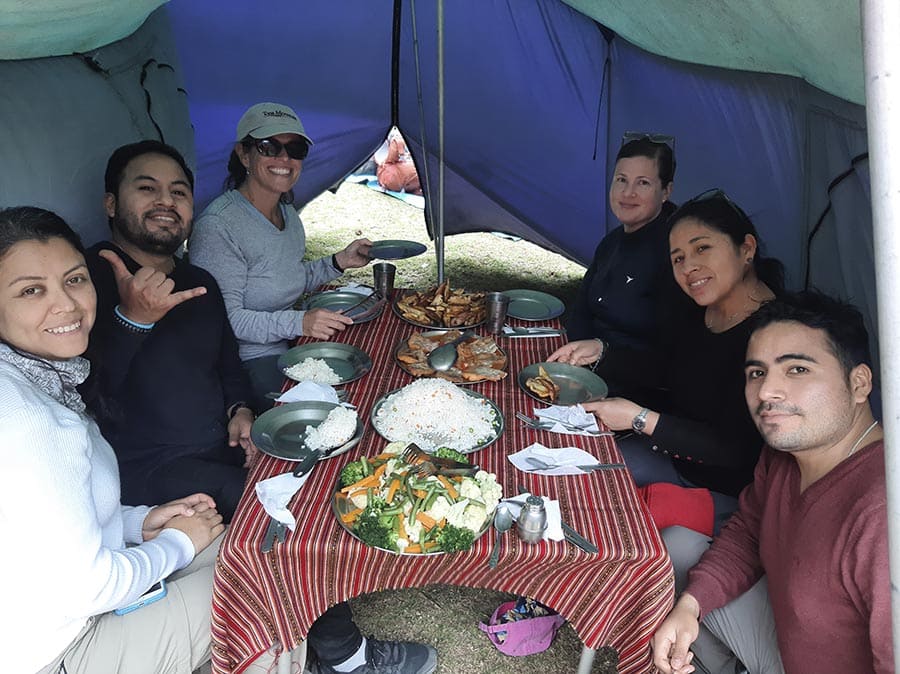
x=269 y=147
x=659 y=138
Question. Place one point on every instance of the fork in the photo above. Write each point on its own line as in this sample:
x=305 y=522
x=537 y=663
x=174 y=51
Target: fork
x=425 y=465
x=537 y=424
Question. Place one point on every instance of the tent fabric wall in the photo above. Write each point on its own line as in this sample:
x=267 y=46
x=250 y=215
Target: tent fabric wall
x=61 y=118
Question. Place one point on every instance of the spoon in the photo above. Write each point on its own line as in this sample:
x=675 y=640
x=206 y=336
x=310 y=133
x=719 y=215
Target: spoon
x=443 y=357
x=540 y=464
x=503 y=521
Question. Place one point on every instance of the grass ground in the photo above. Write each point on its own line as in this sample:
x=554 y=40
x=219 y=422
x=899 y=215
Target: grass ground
x=447 y=616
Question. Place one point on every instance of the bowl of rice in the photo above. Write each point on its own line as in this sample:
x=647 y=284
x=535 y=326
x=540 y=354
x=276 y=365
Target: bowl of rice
x=291 y=431
x=329 y=363
x=436 y=413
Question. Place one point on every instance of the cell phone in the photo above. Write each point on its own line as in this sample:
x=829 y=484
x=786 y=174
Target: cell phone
x=156 y=592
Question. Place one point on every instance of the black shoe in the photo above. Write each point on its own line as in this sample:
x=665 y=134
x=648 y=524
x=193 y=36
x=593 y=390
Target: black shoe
x=392 y=657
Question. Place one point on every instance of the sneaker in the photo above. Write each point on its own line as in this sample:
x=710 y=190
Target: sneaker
x=392 y=657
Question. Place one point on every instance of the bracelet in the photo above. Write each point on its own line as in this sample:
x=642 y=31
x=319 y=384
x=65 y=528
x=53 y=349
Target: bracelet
x=233 y=410
x=130 y=324
x=604 y=347
x=334 y=263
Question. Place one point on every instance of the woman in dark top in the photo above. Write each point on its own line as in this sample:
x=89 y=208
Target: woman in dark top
x=706 y=438
x=628 y=283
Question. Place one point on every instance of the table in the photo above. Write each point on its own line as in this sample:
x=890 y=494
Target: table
x=615 y=598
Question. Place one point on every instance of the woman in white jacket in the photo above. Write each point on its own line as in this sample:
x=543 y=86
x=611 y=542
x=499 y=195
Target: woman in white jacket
x=72 y=553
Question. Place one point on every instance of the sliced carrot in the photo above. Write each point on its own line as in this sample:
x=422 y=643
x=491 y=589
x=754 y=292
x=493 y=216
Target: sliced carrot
x=384 y=456
x=380 y=470
x=442 y=523
x=449 y=486
x=427 y=520
x=350 y=517
x=415 y=547
x=368 y=481
x=420 y=493
x=395 y=485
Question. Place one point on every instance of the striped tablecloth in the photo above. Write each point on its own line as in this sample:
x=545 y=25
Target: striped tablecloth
x=614 y=598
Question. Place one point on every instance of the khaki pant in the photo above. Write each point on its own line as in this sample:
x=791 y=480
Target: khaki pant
x=170 y=636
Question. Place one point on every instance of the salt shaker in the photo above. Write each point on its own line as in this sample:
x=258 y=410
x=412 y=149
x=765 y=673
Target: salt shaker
x=532 y=520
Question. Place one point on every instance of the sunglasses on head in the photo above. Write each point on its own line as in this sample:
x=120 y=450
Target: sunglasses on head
x=709 y=195
x=660 y=138
x=269 y=147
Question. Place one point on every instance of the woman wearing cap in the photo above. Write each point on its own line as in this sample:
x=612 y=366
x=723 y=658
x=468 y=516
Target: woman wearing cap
x=252 y=241
x=628 y=283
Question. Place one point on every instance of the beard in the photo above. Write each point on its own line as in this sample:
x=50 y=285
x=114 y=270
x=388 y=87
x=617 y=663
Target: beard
x=133 y=228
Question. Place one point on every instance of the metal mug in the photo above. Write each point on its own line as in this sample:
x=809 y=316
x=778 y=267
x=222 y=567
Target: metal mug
x=383 y=274
x=496 y=305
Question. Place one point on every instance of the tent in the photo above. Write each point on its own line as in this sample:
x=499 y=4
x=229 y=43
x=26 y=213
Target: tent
x=512 y=109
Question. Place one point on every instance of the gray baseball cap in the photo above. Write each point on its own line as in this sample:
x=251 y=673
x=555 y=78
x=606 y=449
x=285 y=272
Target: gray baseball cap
x=265 y=120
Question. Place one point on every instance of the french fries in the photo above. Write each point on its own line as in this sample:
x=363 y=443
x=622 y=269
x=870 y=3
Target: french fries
x=543 y=386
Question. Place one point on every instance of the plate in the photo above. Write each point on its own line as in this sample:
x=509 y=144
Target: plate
x=278 y=431
x=340 y=300
x=532 y=305
x=498 y=419
x=576 y=384
x=342 y=506
x=349 y=362
x=454 y=374
x=403 y=293
x=396 y=249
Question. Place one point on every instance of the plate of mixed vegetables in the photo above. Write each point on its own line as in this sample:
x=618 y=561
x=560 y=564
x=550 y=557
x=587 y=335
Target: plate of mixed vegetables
x=382 y=502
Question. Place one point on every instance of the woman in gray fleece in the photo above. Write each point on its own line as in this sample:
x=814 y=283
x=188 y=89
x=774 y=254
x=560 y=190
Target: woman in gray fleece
x=252 y=241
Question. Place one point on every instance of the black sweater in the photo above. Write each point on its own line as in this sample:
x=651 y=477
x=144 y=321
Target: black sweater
x=162 y=394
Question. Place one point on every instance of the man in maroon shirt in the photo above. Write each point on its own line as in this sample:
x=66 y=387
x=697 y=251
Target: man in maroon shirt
x=813 y=524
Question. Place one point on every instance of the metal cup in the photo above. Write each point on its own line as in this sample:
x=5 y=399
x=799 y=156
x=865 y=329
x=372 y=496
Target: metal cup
x=496 y=305
x=384 y=273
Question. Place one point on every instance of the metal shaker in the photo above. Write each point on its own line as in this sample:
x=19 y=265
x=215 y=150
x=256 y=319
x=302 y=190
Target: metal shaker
x=532 y=520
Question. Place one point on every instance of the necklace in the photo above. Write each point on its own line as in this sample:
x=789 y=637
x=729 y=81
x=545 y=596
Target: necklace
x=861 y=438
x=727 y=322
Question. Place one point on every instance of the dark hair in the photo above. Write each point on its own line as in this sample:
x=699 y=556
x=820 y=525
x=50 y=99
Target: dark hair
x=841 y=322
x=661 y=152
x=124 y=155
x=717 y=211
x=29 y=223
x=237 y=172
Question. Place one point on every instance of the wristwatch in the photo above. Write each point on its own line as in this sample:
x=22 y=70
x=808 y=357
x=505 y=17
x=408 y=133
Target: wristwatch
x=639 y=423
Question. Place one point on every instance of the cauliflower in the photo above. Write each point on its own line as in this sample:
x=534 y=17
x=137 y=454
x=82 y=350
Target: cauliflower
x=439 y=508
x=467 y=515
x=402 y=544
x=413 y=529
x=394 y=447
x=470 y=489
x=491 y=491
x=360 y=499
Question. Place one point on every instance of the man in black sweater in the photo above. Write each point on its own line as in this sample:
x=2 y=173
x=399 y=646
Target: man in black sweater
x=167 y=386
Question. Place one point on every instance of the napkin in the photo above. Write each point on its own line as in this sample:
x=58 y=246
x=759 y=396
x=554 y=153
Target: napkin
x=572 y=415
x=567 y=458
x=554 y=531
x=276 y=492
x=353 y=287
x=309 y=390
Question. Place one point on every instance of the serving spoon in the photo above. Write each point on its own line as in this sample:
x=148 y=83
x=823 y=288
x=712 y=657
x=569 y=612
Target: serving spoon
x=503 y=521
x=443 y=357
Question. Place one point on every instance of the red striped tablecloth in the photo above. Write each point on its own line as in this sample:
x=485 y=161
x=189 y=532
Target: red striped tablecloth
x=614 y=598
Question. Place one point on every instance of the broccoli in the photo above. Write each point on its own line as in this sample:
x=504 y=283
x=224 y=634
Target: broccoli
x=452 y=454
x=376 y=528
x=352 y=472
x=453 y=539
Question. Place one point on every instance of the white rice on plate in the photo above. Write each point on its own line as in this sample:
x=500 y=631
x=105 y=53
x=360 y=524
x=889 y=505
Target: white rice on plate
x=313 y=369
x=435 y=413
x=336 y=429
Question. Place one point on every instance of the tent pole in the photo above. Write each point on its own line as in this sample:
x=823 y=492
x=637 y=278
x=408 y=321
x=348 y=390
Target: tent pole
x=439 y=225
x=880 y=26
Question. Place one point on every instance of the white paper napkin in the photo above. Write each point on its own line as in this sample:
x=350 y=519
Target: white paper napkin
x=276 y=492
x=309 y=390
x=571 y=415
x=554 y=530
x=353 y=287
x=567 y=458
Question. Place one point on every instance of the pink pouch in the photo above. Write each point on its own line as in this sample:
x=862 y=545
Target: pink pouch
x=523 y=637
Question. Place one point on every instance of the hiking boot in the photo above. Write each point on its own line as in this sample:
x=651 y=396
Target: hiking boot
x=392 y=657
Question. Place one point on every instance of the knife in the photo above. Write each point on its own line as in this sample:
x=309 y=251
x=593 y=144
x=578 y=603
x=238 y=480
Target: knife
x=570 y=534
x=578 y=540
x=602 y=466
